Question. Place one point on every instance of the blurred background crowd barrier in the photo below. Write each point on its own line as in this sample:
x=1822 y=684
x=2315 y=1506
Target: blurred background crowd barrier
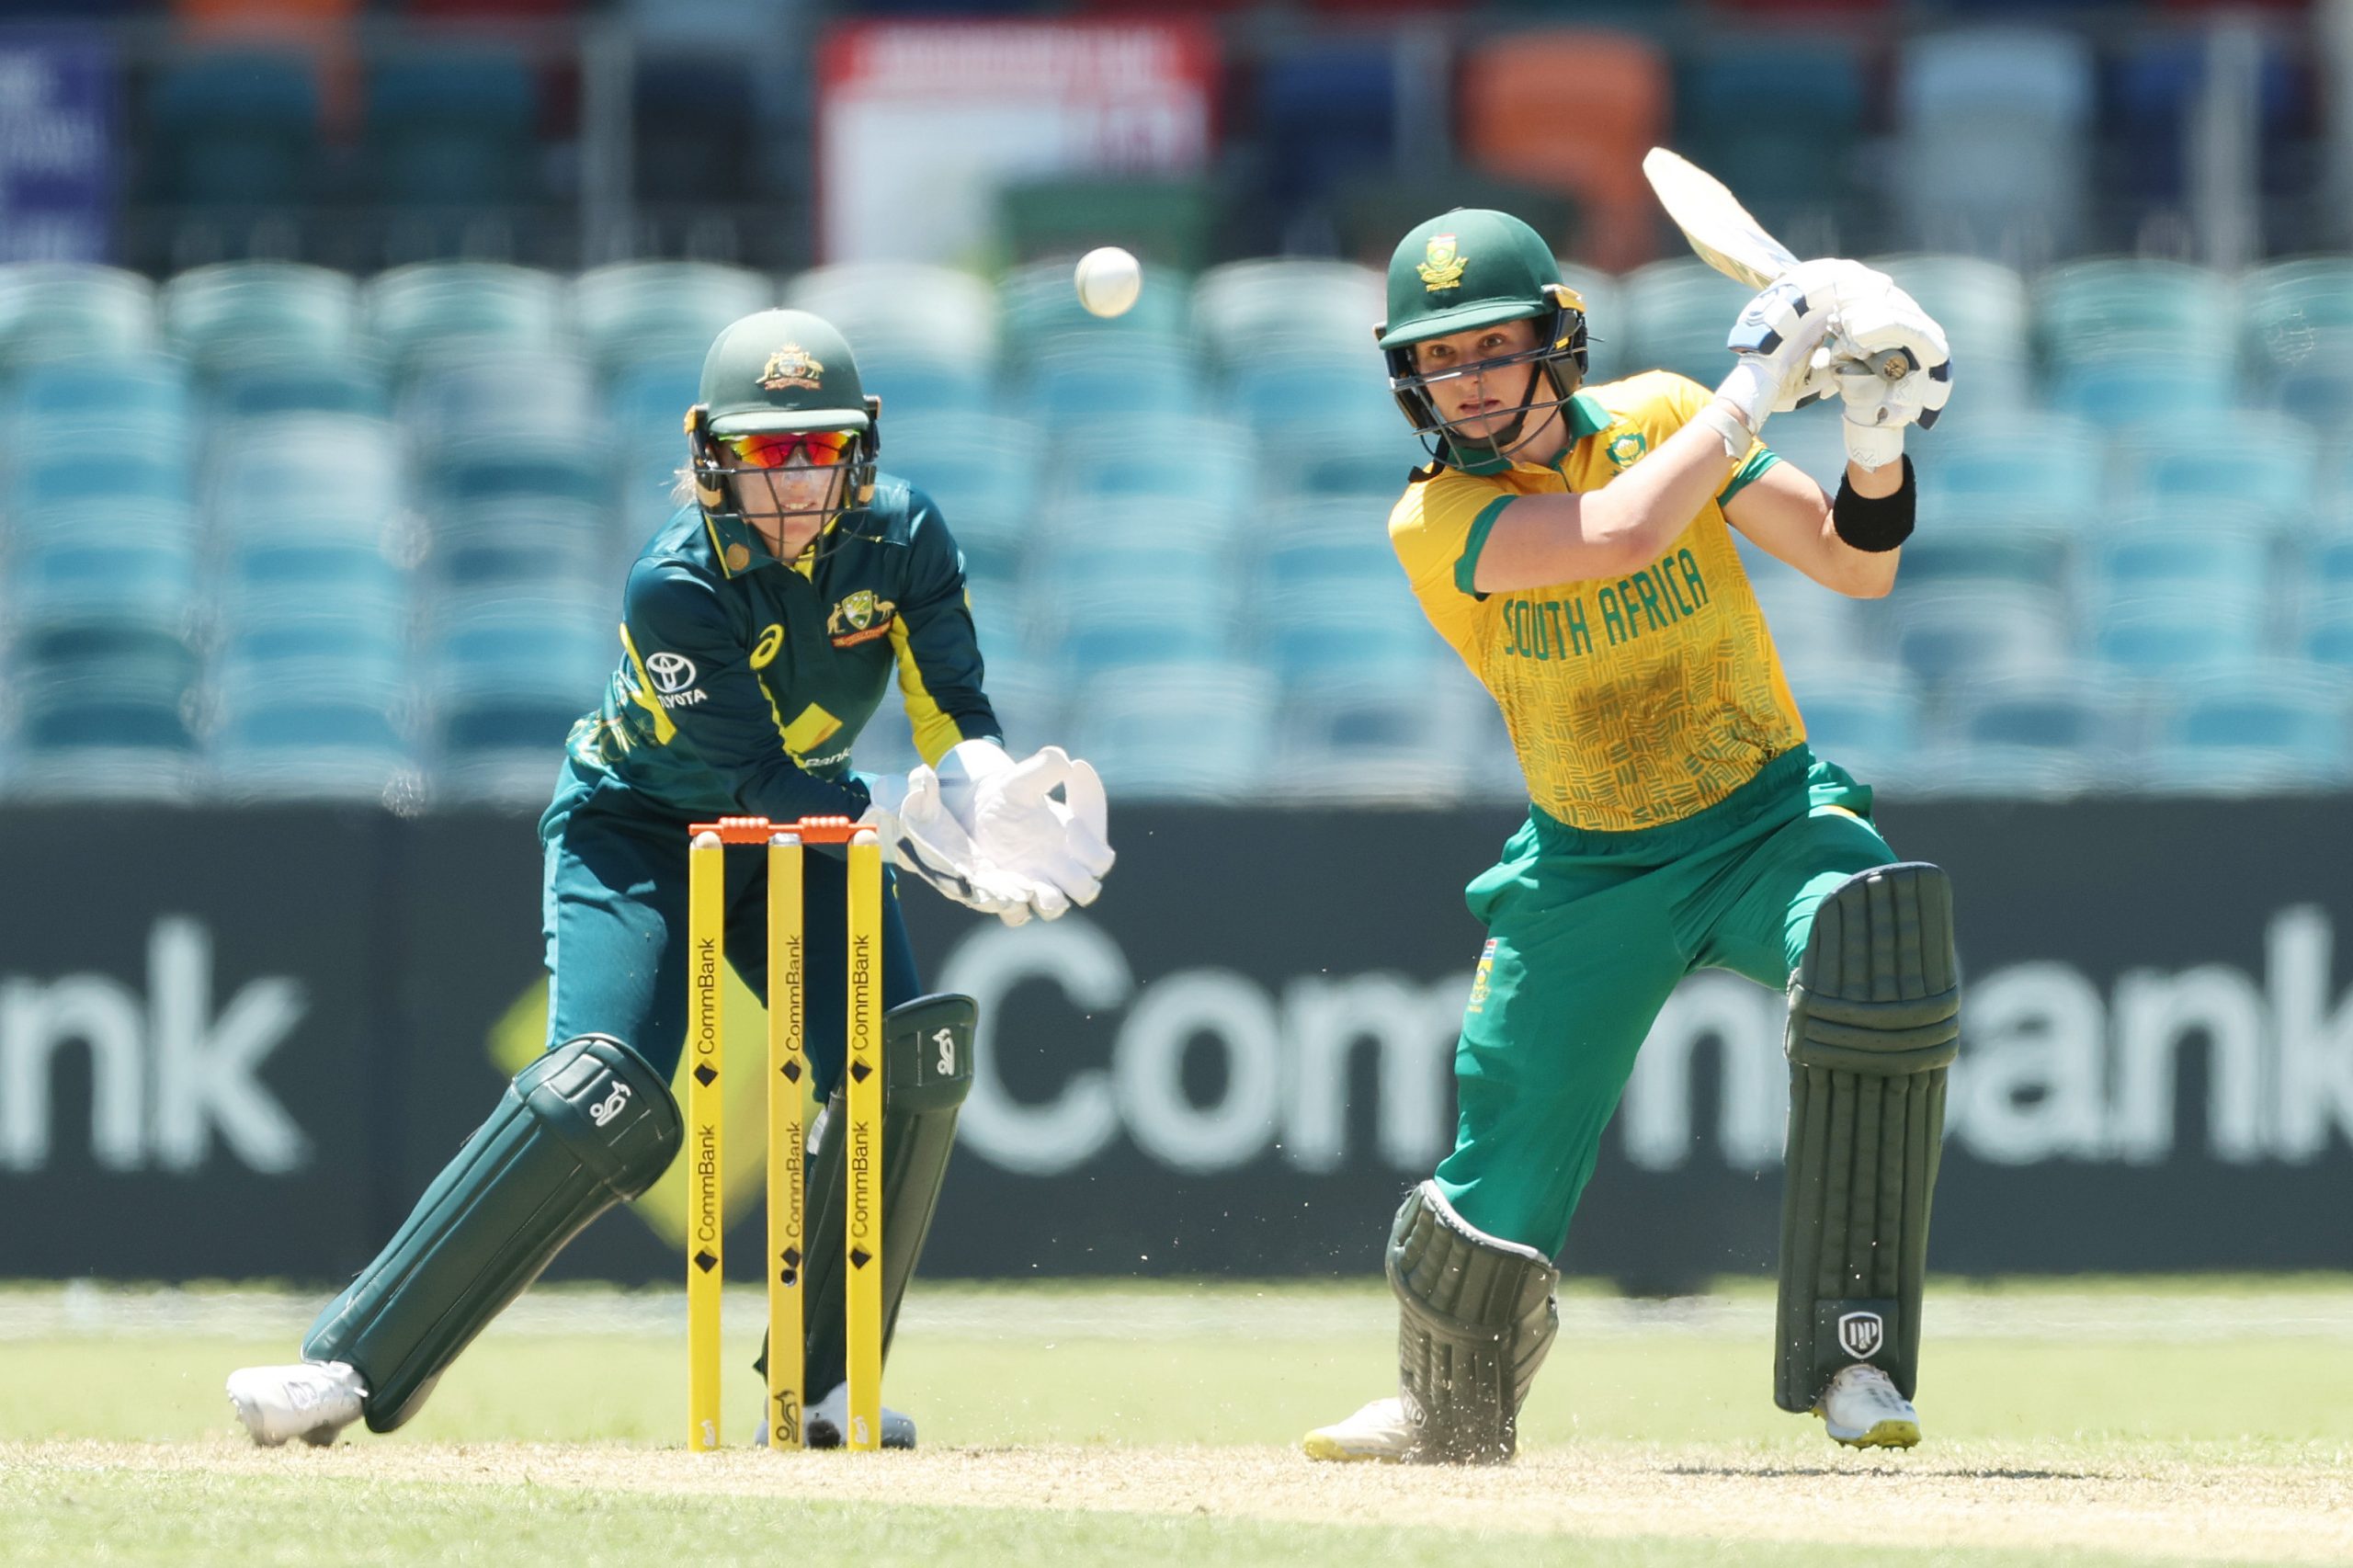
x=342 y=351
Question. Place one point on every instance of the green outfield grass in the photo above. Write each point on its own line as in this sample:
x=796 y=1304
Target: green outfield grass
x=2107 y=1422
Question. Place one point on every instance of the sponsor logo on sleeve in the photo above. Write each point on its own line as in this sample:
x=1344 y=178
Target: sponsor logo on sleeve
x=673 y=677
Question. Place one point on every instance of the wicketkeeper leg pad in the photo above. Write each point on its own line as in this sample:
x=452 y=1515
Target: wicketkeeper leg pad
x=926 y=1072
x=1476 y=1316
x=586 y=1126
x=1874 y=1023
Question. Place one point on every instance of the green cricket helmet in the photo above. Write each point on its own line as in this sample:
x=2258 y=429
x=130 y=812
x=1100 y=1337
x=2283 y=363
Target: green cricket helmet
x=1469 y=268
x=779 y=387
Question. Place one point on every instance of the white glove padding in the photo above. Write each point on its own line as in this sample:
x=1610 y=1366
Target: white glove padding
x=920 y=837
x=1061 y=849
x=1876 y=320
x=1775 y=340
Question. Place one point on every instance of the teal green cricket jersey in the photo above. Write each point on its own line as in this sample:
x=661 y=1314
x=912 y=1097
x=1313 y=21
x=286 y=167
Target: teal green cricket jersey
x=742 y=681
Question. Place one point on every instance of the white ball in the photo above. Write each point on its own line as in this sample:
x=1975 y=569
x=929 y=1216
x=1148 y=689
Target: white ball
x=1109 y=281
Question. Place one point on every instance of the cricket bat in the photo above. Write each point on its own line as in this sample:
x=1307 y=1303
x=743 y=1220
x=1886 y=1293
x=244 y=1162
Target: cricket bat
x=1723 y=235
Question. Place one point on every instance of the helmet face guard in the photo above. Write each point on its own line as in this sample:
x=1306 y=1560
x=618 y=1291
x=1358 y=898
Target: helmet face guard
x=717 y=485
x=1560 y=357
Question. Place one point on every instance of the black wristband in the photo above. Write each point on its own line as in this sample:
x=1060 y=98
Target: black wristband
x=1875 y=523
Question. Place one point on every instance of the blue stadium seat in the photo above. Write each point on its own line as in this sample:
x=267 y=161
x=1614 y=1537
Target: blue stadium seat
x=2092 y=310
x=2073 y=712
x=546 y=398
x=1110 y=378
x=2297 y=331
x=353 y=383
x=322 y=473
x=911 y=383
x=321 y=749
x=1962 y=544
x=1038 y=309
x=2180 y=632
x=478 y=468
x=455 y=130
x=244 y=312
x=631 y=312
x=1972 y=633
x=1194 y=732
x=238 y=130
x=431 y=307
x=1309 y=637
x=1676 y=315
x=2161 y=558
x=2265 y=460
x=1990 y=150
x=527 y=541
x=1864 y=719
x=1316 y=546
x=2179 y=385
x=1371 y=740
x=509 y=673
x=1331 y=105
x=55 y=310
x=1289 y=307
x=915 y=311
x=2014 y=466
x=1291 y=398
x=149 y=392
x=2256 y=728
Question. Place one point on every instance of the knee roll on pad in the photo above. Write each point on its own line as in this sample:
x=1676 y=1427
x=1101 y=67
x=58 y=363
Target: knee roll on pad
x=584 y=1128
x=1874 y=1023
x=1476 y=1316
x=926 y=1072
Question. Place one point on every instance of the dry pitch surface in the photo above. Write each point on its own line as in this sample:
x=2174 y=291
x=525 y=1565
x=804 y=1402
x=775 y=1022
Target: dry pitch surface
x=2214 y=1424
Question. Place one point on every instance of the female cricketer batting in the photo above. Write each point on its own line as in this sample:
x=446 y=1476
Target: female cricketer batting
x=1575 y=546
x=759 y=629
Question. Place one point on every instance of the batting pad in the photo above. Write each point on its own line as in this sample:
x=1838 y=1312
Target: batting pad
x=1476 y=1316
x=586 y=1126
x=1874 y=1023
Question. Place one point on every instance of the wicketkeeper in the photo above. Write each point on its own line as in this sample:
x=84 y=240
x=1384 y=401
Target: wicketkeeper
x=1574 y=545
x=759 y=631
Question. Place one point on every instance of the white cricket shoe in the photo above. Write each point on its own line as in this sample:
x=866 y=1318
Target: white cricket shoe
x=1381 y=1432
x=1862 y=1410
x=313 y=1401
x=825 y=1421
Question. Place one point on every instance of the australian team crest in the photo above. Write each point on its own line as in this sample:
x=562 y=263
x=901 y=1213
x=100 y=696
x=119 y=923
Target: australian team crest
x=791 y=366
x=1443 y=267
x=860 y=618
x=1626 y=447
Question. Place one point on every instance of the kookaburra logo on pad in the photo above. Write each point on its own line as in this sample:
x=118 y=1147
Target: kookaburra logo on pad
x=1861 y=1334
x=791 y=366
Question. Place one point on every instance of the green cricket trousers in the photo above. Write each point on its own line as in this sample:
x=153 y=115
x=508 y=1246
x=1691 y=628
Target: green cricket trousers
x=1588 y=932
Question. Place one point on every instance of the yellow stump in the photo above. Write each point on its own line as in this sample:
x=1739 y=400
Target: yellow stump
x=862 y=1071
x=705 y=1032
x=787 y=1143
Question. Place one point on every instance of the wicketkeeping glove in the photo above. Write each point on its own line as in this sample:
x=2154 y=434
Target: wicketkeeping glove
x=921 y=839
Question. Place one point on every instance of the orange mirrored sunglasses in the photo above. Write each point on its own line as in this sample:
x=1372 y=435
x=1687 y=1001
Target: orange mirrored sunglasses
x=817 y=448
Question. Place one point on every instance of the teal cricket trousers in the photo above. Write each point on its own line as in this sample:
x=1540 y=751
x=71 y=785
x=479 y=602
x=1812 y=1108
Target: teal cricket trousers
x=1588 y=934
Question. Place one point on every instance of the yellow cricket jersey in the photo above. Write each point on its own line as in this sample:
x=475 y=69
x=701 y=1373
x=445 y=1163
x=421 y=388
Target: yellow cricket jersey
x=1632 y=702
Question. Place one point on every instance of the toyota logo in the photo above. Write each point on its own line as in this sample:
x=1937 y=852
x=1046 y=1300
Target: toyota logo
x=672 y=673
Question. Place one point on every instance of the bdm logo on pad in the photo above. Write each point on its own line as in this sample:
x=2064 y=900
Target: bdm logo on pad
x=1861 y=1334
x=860 y=618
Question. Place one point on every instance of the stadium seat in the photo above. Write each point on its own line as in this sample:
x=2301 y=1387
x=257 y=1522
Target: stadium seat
x=1308 y=637
x=235 y=130
x=74 y=310
x=1969 y=633
x=1958 y=543
x=1106 y=377
x=2296 y=323
x=1330 y=105
x=1371 y=741
x=352 y=383
x=2172 y=634
x=2073 y=723
x=1196 y=731
x=321 y=749
x=1284 y=306
x=2091 y=309
x=1865 y=720
x=1677 y=314
x=1038 y=308
x=1573 y=110
x=484 y=467
x=243 y=312
x=913 y=383
x=912 y=308
x=453 y=130
x=509 y=673
x=2124 y=388
x=1989 y=156
x=2251 y=729
x=1988 y=316
x=2018 y=465
x=2219 y=554
x=471 y=306
x=546 y=397
x=632 y=311
x=1325 y=545
x=1777 y=119
x=1285 y=397
x=324 y=472
x=2268 y=462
